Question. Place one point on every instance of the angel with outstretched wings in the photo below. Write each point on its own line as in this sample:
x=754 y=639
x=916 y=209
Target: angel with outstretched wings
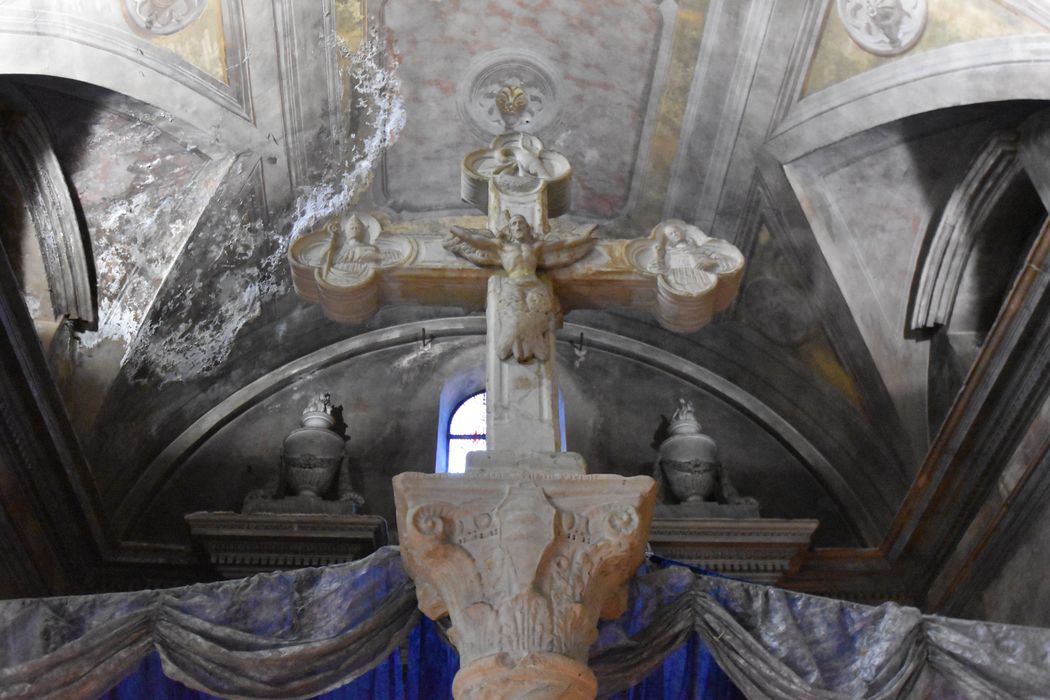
x=529 y=311
x=516 y=248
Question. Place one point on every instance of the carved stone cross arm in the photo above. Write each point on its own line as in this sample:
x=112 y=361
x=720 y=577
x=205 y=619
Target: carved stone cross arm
x=683 y=283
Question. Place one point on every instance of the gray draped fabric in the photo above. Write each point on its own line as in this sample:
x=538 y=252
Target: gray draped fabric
x=301 y=633
x=788 y=646
x=282 y=635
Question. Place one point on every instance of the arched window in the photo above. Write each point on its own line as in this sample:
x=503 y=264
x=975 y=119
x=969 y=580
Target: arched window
x=466 y=432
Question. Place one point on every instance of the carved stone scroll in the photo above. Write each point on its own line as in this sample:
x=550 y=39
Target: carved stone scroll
x=524 y=565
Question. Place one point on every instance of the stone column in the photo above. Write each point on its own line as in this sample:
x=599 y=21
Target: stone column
x=524 y=564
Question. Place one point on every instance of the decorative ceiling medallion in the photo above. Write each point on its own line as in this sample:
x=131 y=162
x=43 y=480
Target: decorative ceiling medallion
x=163 y=16
x=511 y=99
x=509 y=90
x=884 y=27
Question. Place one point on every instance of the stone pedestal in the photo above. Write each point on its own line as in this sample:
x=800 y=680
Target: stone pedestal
x=240 y=545
x=524 y=564
x=762 y=550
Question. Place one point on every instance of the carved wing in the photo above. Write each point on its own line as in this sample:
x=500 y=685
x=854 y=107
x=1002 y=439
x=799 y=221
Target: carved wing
x=476 y=245
x=564 y=252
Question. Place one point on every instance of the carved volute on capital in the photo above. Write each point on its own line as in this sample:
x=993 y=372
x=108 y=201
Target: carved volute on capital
x=524 y=567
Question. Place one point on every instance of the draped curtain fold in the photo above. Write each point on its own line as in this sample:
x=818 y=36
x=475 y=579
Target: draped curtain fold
x=301 y=634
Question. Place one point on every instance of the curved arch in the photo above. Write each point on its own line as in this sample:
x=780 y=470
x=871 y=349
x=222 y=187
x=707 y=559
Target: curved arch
x=446 y=466
x=137 y=69
x=29 y=158
x=854 y=509
x=986 y=70
x=937 y=275
x=457 y=389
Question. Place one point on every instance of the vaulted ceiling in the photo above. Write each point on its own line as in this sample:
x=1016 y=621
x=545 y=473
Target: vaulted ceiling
x=886 y=183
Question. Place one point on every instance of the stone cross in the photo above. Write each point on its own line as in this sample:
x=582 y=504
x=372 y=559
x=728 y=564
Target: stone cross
x=352 y=266
x=526 y=551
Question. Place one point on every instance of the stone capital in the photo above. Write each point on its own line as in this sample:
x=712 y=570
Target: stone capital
x=524 y=564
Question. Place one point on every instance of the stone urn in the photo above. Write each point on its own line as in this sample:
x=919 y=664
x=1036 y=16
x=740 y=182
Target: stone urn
x=313 y=453
x=689 y=459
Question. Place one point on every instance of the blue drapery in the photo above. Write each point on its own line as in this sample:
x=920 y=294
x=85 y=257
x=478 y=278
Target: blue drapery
x=148 y=682
x=354 y=630
x=690 y=673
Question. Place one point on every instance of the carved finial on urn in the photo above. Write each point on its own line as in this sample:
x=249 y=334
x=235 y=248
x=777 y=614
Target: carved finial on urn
x=318 y=413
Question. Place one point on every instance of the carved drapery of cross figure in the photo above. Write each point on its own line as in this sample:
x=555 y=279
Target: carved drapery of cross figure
x=526 y=550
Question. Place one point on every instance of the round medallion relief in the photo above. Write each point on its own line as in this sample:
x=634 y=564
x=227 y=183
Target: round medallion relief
x=163 y=16
x=509 y=90
x=884 y=27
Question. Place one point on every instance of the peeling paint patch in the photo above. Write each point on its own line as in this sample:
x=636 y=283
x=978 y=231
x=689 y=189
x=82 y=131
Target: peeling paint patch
x=192 y=331
x=232 y=269
x=32 y=303
x=380 y=110
x=138 y=226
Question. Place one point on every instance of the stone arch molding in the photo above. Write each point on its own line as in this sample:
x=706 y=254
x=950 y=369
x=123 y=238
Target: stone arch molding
x=985 y=70
x=938 y=275
x=60 y=46
x=27 y=155
x=168 y=463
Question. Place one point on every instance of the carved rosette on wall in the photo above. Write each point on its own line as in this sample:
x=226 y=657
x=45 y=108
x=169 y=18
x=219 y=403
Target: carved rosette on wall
x=509 y=90
x=163 y=16
x=698 y=276
x=884 y=27
x=524 y=566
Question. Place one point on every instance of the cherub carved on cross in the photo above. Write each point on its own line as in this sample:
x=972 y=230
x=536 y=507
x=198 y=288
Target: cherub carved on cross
x=527 y=306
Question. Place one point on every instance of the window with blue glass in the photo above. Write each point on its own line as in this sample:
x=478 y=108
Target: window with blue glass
x=466 y=431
